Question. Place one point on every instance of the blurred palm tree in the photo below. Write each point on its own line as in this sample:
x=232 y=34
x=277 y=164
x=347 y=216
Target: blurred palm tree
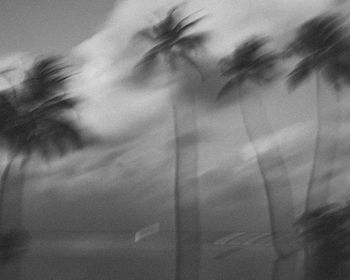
x=35 y=121
x=172 y=42
x=326 y=233
x=251 y=64
x=323 y=43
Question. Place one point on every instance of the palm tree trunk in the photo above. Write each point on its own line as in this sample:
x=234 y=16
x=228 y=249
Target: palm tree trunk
x=3 y=182
x=325 y=149
x=23 y=166
x=322 y=171
x=9 y=270
x=187 y=216
x=16 y=272
x=274 y=174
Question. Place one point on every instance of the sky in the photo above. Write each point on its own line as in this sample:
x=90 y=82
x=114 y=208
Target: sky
x=131 y=171
x=45 y=26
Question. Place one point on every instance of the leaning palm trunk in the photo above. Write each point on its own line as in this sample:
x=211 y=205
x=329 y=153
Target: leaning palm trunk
x=274 y=174
x=187 y=216
x=9 y=264
x=322 y=171
x=16 y=196
x=3 y=184
x=325 y=149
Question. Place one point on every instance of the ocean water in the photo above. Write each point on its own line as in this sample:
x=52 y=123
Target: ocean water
x=107 y=256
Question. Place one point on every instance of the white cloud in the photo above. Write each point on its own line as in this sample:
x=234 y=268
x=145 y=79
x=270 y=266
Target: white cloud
x=290 y=137
x=109 y=56
x=12 y=68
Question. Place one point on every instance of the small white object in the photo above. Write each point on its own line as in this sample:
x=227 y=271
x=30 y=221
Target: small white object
x=224 y=240
x=147 y=231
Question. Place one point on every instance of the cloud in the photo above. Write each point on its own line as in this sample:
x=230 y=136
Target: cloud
x=229 y=20
x=235 y=185
x=290 y=138
x=233 y=21
x=12 y=68
x=108 y=190
x=109 y=56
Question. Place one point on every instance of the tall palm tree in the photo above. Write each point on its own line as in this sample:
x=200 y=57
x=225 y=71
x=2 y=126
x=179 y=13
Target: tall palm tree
x=35 y=121
x=323 y=43
x=172 y=42
x=250 y=64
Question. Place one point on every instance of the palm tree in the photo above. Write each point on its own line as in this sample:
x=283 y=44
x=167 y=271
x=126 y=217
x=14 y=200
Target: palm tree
x=171 y=41
x=325 y=231
x=35 y=121
x=323 y=43
x=250 y=64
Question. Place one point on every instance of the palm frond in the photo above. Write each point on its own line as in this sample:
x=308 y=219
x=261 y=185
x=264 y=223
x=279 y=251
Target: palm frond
x=182 y=22
x=324 y=44
x=251 y=48
x=52 y=137
x=167 y=24
x=337 y=72
x=192 y=42
x=320 y=34
x=9 y=115
x=246 y=56
x=228 y=87
x=7 y=70
x=264 y=68
x=326 y=223
x=65 y=135
x=290 y=50
x=146 y=33
x=45 y=79
x=7 y=109
x=250 y=61
x=54 y=106
x=300 y=73
x=172 y=10
x=181 y=28
x=148 y=61
x=226 y=67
